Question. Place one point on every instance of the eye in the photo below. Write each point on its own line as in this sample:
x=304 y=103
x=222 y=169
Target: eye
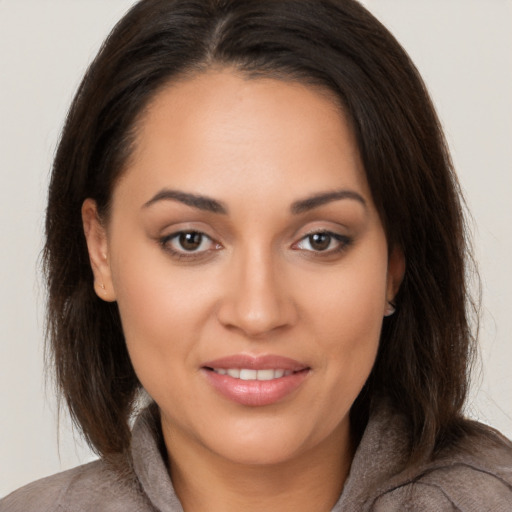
x=186 y=243
x=322 y=241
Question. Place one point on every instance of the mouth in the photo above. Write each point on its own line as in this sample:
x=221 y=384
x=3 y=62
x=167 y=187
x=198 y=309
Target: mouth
x=256 y=380
x=251 y=374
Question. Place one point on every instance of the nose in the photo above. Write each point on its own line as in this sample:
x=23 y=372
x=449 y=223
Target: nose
x=256 y=299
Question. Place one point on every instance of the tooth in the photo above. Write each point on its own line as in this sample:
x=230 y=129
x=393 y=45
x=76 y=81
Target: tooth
x=248 y=374
x=265 y=374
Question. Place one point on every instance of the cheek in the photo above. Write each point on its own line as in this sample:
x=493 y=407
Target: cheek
x=345 y=310
x=348 y=303
x=162 y=309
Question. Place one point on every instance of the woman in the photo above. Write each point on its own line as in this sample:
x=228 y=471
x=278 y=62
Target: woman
x=253 y=217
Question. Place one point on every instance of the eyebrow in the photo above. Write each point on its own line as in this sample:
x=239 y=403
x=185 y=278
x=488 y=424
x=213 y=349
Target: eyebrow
x=212 y=205
x=317 y=200
x=196 y=201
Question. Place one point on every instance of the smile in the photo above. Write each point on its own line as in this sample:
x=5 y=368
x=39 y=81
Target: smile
x=256 y=380
x=250 y=374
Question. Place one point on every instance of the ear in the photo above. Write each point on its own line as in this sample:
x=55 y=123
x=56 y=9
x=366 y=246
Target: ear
x=97 y=245
x=396 y=271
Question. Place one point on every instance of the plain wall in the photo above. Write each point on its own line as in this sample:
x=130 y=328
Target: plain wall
x=463 y=48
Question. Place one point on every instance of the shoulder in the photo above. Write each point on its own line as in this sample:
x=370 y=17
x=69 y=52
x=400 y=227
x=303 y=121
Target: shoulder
x=471 y=473
x=474 y=475
x=94 y=486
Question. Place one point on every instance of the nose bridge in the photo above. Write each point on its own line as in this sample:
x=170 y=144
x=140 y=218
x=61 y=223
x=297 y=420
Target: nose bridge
x=257 y=301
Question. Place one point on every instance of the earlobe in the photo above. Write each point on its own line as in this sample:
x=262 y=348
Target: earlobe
x=97 y=246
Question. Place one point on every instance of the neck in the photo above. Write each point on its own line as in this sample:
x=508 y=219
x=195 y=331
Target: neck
x=312 y=480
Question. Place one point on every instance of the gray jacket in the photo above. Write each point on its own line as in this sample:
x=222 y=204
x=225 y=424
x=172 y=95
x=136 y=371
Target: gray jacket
x=475 y=476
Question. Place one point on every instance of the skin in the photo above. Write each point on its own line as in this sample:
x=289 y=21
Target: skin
x=256 y=284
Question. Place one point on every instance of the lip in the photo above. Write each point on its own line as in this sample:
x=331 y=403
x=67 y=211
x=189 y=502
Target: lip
x=255 y=393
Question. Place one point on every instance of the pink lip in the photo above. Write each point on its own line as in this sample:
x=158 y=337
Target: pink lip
x=254 y=392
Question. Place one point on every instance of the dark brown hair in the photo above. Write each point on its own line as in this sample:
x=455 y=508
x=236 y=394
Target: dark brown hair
x=425 y=348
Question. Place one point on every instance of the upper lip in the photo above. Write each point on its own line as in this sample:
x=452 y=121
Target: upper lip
x=256 y=362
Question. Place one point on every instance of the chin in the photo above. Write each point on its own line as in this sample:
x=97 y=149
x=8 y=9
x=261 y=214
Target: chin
x=259 y=454
x=269 y=443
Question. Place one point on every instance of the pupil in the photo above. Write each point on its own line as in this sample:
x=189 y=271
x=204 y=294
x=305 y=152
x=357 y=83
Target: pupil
x=190 y=241
x=320 y=241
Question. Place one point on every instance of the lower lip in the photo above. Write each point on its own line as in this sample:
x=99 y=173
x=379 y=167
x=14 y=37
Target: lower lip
x=255 y=393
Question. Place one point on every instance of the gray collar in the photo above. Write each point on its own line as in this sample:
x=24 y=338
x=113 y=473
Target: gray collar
x=380 y=456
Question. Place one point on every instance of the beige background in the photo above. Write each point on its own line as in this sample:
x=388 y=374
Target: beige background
x=462 y=47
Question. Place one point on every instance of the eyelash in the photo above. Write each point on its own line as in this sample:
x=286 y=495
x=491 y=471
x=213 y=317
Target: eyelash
x=342 y=241
x=166 y=243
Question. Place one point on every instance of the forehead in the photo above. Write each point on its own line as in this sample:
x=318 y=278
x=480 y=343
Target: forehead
x=221 y=130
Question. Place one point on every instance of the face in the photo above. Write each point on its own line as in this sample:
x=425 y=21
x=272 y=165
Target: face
x=249 y=265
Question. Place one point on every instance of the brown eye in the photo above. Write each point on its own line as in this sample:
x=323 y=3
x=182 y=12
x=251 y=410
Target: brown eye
x=190 y=241
x=325 y=242
x=320 y=241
